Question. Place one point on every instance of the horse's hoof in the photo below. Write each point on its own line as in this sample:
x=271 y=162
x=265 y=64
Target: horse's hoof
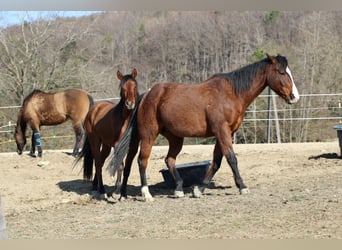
x=117 y=190
x=149 y=199
x=93 y=193
x=146 y=194
x=197 y=192
x=179 y=194
x=244 y=191
x=103 y=196
x=123 y=198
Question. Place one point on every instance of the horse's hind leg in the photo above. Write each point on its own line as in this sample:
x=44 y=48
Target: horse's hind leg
x=145 y=151
x=214 y=167
x=175 y=146
x=133 y=149
x=79 y=132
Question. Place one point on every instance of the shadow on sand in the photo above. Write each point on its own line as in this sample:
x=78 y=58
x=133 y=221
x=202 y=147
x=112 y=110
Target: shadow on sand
x=82 y=187
x=325 y=156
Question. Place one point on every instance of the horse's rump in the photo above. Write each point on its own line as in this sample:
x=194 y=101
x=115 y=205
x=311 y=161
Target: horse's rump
x=76 y=103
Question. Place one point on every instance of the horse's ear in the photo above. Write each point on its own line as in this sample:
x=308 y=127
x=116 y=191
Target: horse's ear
x=134 y=73
x=271 y=58
x=119 y=75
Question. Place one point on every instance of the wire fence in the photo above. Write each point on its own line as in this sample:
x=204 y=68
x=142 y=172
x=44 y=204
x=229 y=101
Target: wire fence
x=311 y=119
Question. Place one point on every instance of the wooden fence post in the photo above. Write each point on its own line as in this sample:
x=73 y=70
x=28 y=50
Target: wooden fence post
x=3 y=234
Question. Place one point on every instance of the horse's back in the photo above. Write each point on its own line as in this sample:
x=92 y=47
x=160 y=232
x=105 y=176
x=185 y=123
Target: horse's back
x=78 y=97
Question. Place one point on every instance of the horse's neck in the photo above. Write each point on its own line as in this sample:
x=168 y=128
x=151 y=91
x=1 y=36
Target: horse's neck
x=126 y=114
x=257 y=86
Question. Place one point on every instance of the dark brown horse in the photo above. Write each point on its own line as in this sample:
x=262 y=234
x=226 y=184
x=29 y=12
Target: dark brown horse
x=215 y=107
x=45 y=109
x=104 y=125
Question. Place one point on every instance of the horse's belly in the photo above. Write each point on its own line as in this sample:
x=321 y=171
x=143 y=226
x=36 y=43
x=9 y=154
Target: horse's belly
x=189 y=129
x=52 y=119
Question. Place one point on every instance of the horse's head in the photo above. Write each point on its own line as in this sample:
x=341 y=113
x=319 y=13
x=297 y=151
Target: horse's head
x=20 y=139
x=129 y=88
x=280 y=79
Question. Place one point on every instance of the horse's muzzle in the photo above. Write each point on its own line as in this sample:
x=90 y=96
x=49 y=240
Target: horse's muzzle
x=293 y=99
x=130 y=105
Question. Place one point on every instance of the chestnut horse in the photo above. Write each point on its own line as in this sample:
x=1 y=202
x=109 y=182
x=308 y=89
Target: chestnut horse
x=215 y=107
x=104 y=125
x=45 y=109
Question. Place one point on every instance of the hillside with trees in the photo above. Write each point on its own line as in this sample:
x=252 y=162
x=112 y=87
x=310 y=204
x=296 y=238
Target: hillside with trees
x=180 y=46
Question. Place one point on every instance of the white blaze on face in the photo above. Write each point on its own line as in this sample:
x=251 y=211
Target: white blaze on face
x=295 y=93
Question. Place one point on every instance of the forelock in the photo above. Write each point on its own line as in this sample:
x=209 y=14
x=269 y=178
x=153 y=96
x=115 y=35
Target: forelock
x=282 y=61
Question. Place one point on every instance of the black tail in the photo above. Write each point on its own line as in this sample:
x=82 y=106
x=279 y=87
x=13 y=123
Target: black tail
x=121 y=149
x=91 y=101
x=87 y=156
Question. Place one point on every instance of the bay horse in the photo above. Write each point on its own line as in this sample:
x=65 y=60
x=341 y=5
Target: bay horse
x=104 y=125
x=215 y=107
x=45 y=109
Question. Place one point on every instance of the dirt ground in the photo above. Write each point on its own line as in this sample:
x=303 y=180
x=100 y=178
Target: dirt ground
x=295 y=192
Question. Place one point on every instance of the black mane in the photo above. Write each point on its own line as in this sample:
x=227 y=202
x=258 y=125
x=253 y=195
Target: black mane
x=282 y=61
x=242 y=78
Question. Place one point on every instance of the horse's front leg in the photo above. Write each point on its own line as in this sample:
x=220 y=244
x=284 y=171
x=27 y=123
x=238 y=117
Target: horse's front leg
x=100 y=185
x=97 y=185
x=225 y=139
x=36 y=142
x=232 y=161
x=94 y=184
x=99 y=161
x=33 y=146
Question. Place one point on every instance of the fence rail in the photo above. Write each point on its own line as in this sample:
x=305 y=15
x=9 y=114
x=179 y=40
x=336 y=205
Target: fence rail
x=321 y=118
